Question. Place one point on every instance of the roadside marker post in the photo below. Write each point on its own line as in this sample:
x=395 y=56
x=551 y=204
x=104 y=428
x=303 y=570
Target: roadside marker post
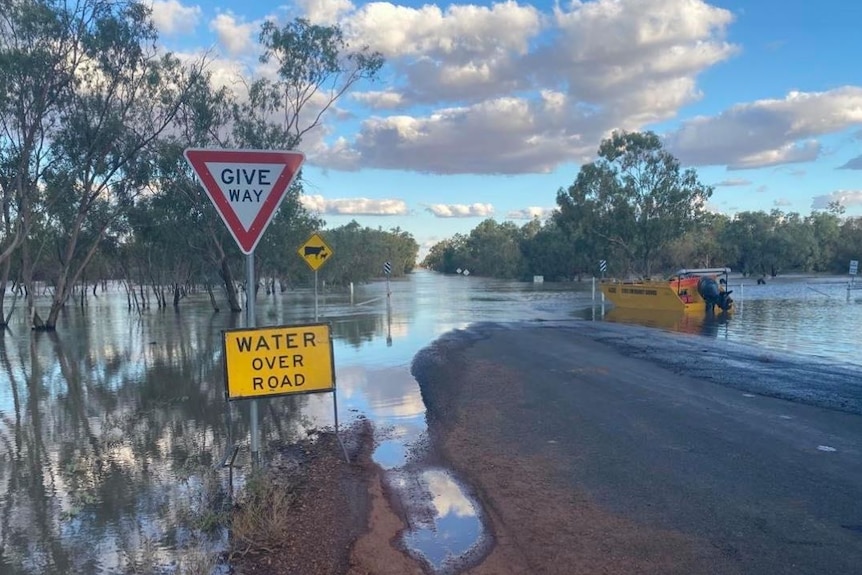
x=854 y=270
x=387 y=269
x=246 y=187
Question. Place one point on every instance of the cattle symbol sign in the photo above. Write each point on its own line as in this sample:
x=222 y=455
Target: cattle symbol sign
x=315 y=251
x=245 y=186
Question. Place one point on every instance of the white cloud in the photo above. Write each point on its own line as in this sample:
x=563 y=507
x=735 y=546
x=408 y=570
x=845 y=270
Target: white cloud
x=461 y=210
x=733 y=182
x=462 y=30
x=781 y=202
x=324 y=12
x=638 y=57
x=505 y=135
x=846 y=198
x=354 y=206
x=767 y=132
x=172 y=18
x=448 y=498
x=379 y=100
x=236 y=36
x=530 y=213
x=494 y=99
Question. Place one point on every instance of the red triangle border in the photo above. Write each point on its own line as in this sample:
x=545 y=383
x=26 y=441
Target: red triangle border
x=248 y=239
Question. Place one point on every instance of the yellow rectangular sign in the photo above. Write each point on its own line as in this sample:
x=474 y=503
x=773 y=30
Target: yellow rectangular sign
x=281 y=360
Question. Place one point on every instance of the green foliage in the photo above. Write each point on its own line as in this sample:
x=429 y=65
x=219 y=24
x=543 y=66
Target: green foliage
x=360 y=253
x=636 y=208
x=506 y=251
x=632 y=202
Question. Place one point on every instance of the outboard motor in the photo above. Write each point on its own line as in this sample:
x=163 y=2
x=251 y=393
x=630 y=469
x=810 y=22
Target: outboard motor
x=708 y=289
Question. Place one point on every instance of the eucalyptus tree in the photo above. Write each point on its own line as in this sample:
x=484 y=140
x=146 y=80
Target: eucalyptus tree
x=121 y=97
x=494 y=250
x=548 y=251
x=362 y=251
x=849 y=244
x=447 y=256
x=314 y=67
x=402 y=250
x=276 y=255
x=826 y=227
x=751 y=236
x=635 y=198
x=40 y=52
x=703 y=246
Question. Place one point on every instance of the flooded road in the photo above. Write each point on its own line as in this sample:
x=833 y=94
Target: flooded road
x=112 y=429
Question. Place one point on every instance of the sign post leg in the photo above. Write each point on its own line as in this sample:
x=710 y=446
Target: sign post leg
x=315 y=295
x=250 y=321
x=337 y=434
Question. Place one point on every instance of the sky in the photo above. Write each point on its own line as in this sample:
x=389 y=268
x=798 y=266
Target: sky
x=487 y=109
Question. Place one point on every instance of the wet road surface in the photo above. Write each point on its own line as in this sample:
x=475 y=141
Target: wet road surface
x=590 y=454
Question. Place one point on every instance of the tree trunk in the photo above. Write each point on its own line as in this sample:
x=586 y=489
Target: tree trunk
x=49 y=324
x=230 y=287
x=176 y=295
x=212 y=297
x=4 y=279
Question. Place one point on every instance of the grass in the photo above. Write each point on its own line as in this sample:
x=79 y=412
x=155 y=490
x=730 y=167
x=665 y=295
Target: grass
x=260 y=520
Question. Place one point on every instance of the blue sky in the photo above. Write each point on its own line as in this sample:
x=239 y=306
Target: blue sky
x=486 y=109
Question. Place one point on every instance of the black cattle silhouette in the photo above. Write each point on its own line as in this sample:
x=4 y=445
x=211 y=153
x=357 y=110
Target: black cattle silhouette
x=318 y=251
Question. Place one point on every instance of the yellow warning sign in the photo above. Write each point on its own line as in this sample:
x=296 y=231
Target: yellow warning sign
x=315 y=251
x=278 y=361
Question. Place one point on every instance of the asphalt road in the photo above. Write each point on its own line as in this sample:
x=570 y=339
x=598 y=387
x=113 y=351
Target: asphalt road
x=673 y=434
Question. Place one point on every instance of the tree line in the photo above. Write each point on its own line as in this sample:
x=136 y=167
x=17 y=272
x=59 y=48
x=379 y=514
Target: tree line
x=94 y=119
x=636 y=208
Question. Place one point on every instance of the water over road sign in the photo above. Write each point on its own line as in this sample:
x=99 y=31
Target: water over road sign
x=245 y=186
x=315 y=251
x=280 y=360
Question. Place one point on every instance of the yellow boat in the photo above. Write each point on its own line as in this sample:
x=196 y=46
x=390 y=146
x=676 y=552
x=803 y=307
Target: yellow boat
x=699 y=289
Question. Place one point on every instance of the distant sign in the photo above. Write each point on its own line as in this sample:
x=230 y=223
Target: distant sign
x=387 y=268
x=245 y=186
x=315 y=251
x=603 y=266
x=281 y=360
x=854 y=267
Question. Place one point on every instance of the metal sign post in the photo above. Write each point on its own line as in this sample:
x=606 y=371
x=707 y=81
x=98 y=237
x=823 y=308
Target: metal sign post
x=249 y=323
x=315 y=296
x=246 y=188
x=387 y=269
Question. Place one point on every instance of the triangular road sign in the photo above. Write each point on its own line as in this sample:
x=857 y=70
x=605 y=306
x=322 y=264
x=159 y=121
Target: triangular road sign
x=245 y=186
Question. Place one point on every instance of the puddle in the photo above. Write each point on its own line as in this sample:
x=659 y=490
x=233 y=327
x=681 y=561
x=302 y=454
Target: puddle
x=445 y=525
x=446 y=528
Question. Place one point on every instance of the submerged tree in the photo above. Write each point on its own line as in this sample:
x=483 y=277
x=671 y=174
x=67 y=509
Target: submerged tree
x=125 y=95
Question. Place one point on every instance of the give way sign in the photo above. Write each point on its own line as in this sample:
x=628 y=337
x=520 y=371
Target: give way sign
x=245 y=186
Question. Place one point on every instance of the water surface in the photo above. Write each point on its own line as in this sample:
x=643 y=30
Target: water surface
x=106 y=425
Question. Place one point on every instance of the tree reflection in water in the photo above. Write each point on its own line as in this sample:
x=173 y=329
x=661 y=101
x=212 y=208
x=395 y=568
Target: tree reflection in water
x=111 y=436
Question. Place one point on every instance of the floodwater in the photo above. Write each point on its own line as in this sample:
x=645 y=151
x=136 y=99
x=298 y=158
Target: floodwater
x=106 y=425
x=812 y=316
